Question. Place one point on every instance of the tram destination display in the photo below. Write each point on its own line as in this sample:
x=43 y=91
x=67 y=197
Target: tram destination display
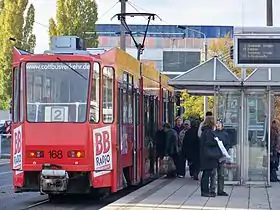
x=258 y=51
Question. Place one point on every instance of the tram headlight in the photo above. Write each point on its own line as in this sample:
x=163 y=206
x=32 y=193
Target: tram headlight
x=76 y=154
x=35 y=154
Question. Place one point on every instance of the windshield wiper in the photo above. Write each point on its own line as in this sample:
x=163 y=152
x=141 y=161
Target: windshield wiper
x=71 y=68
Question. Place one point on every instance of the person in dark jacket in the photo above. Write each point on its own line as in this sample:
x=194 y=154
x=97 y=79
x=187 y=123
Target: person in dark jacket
x=171 y=147
x=224 y=137
x=191 y=150
x=274 y=150
x=182 y=156
x=210 y=154
x=159 y=141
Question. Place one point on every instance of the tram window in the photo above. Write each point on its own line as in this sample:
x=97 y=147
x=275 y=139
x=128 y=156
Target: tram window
x=48 y=87
x=68 y=90
x=30 y=88
x=125 y=106
x=146 y=121
x=16 y=92
x=156 y=113
x=94 y=95
x=38 y=88
x=171 y=112
x=130 y=99
x=126 y=99
x=21 y=95
x=108 y=95
x=138 y=105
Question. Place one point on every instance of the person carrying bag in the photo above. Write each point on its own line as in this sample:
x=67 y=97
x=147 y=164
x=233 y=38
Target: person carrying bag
x=209 y=155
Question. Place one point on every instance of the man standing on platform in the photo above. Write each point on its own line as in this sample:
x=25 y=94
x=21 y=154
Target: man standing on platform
x=179 y=125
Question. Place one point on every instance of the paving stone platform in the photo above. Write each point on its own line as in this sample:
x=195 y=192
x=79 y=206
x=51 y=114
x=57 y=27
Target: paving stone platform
x=166 y=194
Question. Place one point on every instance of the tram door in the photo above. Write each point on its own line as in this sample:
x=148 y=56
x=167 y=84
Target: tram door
x=152 y=130
x=150 y=126
x=136 y=143
x=119 y=142
x=146 y=130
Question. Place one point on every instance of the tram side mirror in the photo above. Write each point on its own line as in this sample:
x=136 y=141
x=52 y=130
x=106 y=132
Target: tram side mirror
x=91 y=119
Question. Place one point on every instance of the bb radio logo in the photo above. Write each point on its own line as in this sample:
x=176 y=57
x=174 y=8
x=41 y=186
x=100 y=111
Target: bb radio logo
x=102 y=149
x=17 y=148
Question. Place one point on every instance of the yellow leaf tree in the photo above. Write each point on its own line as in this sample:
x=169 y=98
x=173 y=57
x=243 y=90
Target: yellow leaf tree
x=221 y=48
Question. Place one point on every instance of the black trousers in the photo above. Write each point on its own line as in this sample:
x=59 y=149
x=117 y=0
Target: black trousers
x=194 y=169
x=274 y=164
x=204 y=183
x=181 y=165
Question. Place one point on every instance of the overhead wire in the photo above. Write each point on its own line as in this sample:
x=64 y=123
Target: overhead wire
x=107 y=11
x=223 y=56
x=14 y=13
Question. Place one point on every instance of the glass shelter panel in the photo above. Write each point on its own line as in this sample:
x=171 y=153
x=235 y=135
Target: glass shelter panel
x=255 y=142
x=229 y=111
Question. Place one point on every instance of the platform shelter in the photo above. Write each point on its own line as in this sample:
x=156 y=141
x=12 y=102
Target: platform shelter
x=247 y=107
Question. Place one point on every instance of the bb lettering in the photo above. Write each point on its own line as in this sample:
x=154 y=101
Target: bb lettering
x=102 y=142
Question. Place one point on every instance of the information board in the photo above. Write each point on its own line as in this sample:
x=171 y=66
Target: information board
x=257 y=52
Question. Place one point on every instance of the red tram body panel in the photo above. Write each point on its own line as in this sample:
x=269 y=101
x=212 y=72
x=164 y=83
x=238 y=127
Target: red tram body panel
x=83 y=122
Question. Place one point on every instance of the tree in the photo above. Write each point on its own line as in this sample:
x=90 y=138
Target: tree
x=194 y=105
x=221 y=48
x=75 y=17
x=13 y=24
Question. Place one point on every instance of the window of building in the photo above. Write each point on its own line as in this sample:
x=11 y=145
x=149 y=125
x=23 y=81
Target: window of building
x=94 y=95
x=108 y=94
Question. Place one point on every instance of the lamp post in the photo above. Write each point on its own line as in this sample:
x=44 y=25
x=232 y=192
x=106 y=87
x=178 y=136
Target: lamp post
x=204 y=39
x=205 y=107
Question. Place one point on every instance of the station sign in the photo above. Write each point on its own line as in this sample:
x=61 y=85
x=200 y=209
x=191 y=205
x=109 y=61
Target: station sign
x=256 y=47
x=257 y=51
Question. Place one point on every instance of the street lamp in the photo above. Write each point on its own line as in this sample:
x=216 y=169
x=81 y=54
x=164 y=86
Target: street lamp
x=205 y=99
x=204 y=39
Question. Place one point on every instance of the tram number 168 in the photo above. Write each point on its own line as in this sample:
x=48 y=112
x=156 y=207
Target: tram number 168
x=56 y=154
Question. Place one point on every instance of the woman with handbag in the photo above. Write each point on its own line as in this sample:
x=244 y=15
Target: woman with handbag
x=210 y=154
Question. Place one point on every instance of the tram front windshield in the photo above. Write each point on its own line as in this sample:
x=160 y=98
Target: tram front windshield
x=57 y=91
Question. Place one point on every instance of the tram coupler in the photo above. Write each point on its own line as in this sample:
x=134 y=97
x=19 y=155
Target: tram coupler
x=53 y=181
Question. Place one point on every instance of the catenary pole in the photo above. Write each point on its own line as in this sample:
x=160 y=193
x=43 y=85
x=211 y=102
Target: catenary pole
x=122 y=37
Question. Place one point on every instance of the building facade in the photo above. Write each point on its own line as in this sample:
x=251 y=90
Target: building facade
x=167 y=48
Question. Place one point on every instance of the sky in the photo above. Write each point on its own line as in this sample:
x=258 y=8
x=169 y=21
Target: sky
x=176 y=12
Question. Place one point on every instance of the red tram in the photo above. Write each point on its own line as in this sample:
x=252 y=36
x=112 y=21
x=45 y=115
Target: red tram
x=84 y=122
